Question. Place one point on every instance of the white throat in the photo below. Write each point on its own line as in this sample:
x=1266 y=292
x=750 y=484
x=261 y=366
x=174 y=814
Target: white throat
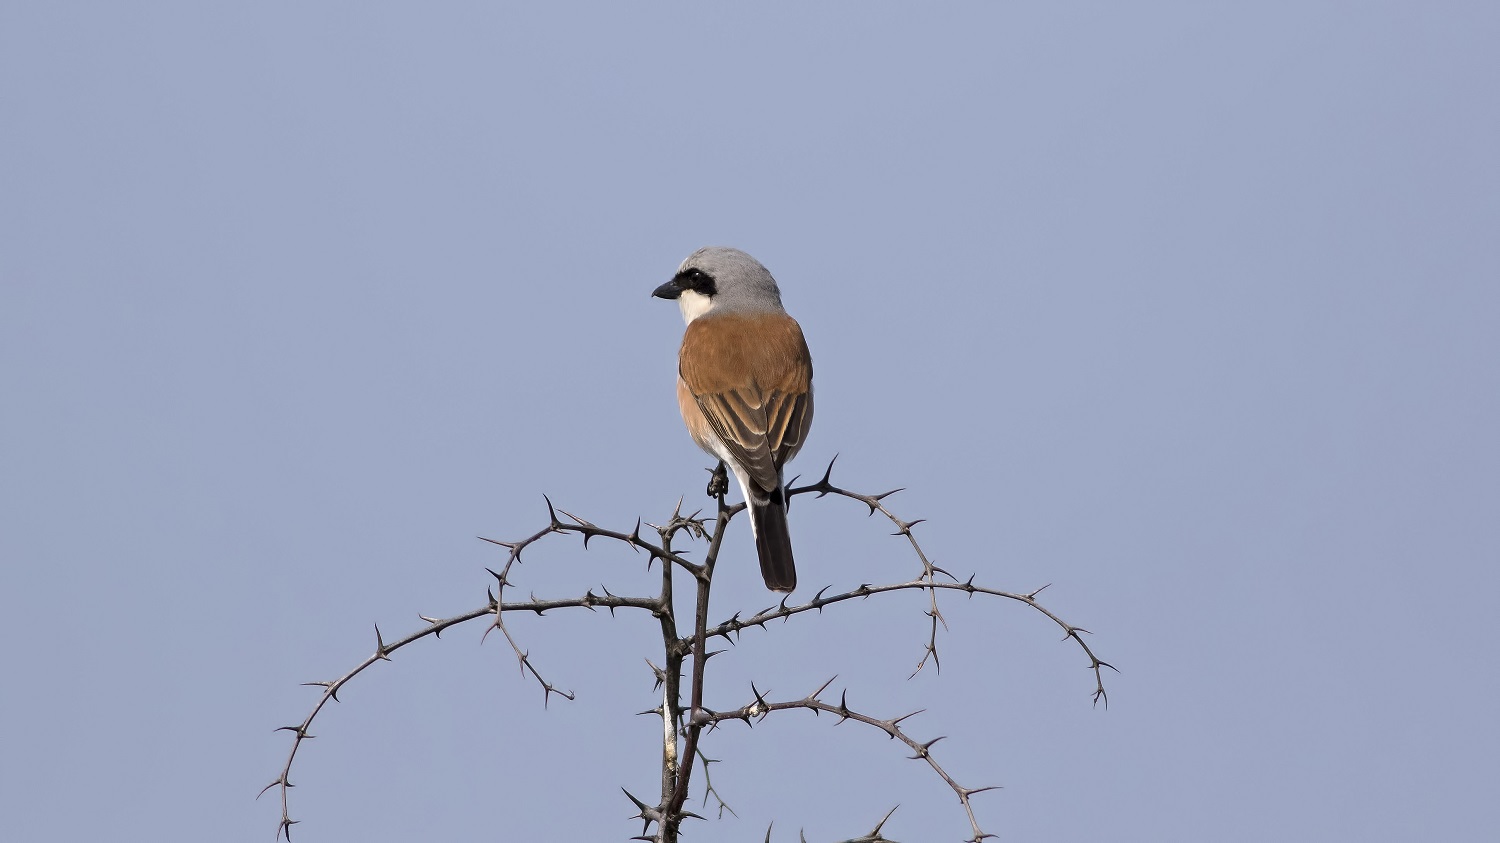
x=693 y=304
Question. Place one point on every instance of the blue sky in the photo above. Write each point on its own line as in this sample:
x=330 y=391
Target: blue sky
x=1189 y=310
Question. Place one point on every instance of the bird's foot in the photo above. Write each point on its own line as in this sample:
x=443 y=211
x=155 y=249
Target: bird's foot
x=718 y=482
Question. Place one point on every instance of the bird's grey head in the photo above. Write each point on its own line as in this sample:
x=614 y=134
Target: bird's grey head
x=718 y=278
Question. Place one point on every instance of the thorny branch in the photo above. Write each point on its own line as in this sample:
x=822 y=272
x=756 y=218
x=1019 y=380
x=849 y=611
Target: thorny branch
x=690 y=723
x=927 y=581
x=760 y=709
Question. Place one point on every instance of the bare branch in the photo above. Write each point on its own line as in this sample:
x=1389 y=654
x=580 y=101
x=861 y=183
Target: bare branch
x=736 y=624
x=760 y=710
x=435 y=627
x=708 y=786
x=683 y=728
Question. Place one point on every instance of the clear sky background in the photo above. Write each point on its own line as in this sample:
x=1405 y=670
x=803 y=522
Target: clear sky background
x=1191 y=310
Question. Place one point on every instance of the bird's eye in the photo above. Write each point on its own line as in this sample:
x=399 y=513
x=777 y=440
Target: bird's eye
x=699 y=281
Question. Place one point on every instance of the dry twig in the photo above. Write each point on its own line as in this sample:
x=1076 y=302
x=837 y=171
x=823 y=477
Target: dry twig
x=683 y=728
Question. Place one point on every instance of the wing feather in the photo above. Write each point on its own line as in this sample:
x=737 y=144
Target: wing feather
x=752 y=378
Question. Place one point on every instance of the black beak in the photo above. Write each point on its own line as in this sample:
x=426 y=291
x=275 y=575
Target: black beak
x=670 y=290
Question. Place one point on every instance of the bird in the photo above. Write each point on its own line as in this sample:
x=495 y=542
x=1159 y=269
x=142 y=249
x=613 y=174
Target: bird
x=744 y=386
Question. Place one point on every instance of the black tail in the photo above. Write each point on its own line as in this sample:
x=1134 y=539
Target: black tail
x=773 y=542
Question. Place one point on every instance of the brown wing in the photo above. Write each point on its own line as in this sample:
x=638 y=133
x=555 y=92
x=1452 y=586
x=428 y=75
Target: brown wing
x=752 y=377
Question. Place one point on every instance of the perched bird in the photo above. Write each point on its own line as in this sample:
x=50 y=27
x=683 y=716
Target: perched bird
x=744 y=385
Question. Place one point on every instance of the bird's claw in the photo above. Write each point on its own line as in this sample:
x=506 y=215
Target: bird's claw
x=718 y=482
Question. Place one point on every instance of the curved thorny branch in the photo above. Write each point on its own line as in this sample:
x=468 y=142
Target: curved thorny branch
x=759 y=709
x=683 y=726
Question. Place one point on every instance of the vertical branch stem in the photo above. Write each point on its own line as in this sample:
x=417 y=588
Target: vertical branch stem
x=673 y=813
x=671 y=710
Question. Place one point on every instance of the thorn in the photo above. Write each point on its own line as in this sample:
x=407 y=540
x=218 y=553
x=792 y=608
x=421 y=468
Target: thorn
x=822 y=688
x=647 y=813
x=897 y=721
x=659 y=673
x=827 y=481
x=326 y=686
x=268 y=787
x=922 y=750
x=760 y=708
x=380 y=650
x=576 y=518
x=638 y=803
x=552 y=513
x=968 y=792
x=875 y=832
x=904 y=527
x=759 y=697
